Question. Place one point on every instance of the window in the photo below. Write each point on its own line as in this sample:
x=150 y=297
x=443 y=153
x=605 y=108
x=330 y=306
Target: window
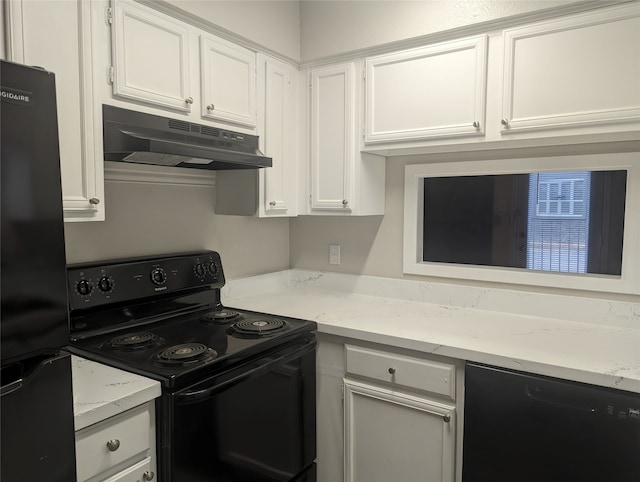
x=559 y=222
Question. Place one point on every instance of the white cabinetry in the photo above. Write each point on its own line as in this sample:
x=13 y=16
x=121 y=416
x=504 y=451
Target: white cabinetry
x=396 y=436
x=58 y=37
x=578 y=71
x=277 y=126
x=573 y=79
x=150 y=57
x=433 y=91
x=121 y=448
x=342 y=180
x=269 y=192
x=387 y=414
x=394 y=428
x=228 y=81
x=160 y=61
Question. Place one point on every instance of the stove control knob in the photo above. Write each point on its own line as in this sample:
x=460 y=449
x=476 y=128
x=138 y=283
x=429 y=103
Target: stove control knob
x=199 y=270
x=158 y=276
x=213 y=268
x=84 y=287
x=105 y=284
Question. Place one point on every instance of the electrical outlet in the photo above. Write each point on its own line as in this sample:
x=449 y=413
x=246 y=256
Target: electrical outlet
x=334 y=254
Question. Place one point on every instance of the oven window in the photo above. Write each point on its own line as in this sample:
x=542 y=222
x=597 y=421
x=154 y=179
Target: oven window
x=258 y=428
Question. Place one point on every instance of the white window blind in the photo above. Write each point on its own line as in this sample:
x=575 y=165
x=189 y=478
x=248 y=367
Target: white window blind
x=558 y=221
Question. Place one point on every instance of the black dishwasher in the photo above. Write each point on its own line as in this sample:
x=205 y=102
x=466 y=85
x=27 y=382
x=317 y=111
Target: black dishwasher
x=520 y=427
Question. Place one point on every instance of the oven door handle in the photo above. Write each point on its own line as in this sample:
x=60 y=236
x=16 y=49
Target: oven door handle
x=263 y=365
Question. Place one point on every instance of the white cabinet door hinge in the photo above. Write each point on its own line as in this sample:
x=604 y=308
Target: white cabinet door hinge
x=111 y=74
x=110 y=15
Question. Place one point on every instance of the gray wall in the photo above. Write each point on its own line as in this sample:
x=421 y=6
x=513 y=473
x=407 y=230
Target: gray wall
x=372 y=245
x=147 y=219
x=334 y=27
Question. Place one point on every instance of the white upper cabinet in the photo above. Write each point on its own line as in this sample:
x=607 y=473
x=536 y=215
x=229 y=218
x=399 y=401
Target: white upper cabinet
x=151 y=58
x=578 y=71
x=58 y=37
x=332 y=136
x=228 y=81
x=427 y=92
x=277 y=92
x=342 y=180
x=271 y=191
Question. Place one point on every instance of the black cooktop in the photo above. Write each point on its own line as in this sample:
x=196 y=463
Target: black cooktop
x=162 y=317
x=184 y=349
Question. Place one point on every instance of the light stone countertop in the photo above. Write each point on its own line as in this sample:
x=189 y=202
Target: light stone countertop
x=100 y=391
x=605 y=354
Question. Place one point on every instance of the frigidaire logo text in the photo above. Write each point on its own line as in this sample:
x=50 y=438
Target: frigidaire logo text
x=15 y=96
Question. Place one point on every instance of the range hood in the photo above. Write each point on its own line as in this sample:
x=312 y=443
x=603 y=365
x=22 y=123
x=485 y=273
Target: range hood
x=135 y=137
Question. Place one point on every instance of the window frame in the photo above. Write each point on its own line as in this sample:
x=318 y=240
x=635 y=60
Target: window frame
x=627 y=283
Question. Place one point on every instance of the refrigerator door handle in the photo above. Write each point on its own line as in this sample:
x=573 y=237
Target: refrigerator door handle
x=11 y=387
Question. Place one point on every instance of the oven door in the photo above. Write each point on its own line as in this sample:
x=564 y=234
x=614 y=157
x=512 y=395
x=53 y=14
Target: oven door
x=255 y=422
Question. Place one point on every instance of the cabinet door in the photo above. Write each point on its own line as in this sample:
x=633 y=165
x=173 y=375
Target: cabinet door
x=332 y=136
x=228 y=81
x=57 y=36
x=394 y=436
x=576 y=71
x=150 y=57
x=276 y=98
x=428 y=92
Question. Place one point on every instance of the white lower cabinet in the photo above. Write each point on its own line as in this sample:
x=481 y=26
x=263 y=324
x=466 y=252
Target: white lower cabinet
x=121 y=448
x=394 y=436
x=387 y=414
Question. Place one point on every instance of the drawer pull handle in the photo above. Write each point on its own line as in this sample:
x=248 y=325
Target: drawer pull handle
x=113 y=444
x=447 y=418
x=392 y=371
x=148 y=475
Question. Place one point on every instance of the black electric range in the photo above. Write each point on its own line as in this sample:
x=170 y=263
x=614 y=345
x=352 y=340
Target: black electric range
x=162 y=317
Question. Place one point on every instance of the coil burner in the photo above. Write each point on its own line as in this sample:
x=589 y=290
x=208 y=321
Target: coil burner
x=258 y=328
x=186 y=354
x=220 y=317
x=133 y=341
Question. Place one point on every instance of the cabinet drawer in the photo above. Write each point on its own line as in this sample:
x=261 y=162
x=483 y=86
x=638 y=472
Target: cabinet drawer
x=130 y=429
x=401 y=370
x=135 y=473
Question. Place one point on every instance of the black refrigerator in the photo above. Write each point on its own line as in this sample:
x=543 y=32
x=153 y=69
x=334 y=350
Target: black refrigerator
x=36 y=398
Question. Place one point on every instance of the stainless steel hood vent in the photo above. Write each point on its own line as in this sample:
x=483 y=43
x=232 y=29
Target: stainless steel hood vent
x=140 y=138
